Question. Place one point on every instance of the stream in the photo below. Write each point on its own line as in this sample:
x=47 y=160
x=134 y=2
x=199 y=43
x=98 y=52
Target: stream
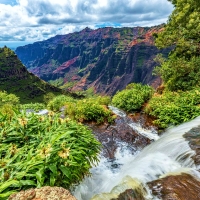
x=168 y=154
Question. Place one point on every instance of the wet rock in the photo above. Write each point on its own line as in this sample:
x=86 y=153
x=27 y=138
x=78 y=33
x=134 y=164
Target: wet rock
x=44 y=193
x=193 y=136
x=112 y=135
x=129 y=195
x=178 y=187
x=142 y=118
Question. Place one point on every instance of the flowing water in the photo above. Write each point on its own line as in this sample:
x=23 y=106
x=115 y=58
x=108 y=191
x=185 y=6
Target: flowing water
x=149 y=133
x=168 y=154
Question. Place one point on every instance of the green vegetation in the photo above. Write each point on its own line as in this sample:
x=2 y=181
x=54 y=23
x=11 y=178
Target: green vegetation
x=29 y=87
x=181 y=71
x=58 y=82
x=133 y=97
x=46 y=150
x=68 y=85
x=8 y=102
x=90 y=109
x=6 y=98
x=58 y=102
x=33 y=106
x=172 y=108
x=43 y=150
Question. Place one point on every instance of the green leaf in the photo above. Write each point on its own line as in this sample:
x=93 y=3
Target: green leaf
x=27 y=182
x=4 y=196
x=52 y=179
x=40 y=176
x=65 y=171
x=8 y=184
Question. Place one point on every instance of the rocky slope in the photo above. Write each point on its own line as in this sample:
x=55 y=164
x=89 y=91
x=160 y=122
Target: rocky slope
x=14 y=78
x=106 y=59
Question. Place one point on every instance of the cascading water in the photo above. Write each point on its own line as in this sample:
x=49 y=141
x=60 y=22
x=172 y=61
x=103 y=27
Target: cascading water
x=149 y=133
x=168 y=154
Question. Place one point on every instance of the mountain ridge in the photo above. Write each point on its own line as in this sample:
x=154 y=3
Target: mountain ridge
x=105 y=59
x=15 y=78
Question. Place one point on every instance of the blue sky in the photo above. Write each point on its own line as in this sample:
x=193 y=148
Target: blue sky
x=35 y=20
x=8 y=2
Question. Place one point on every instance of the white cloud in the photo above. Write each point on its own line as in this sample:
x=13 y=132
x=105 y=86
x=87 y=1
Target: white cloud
x=40 y=19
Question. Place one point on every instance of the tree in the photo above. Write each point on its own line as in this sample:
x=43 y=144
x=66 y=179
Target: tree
x=182 y=69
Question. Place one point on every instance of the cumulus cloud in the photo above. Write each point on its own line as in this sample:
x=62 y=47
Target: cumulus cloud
x=33 y=20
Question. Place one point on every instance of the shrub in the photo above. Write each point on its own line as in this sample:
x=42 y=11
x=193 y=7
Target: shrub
x=6 y=98
x=172 y=108
x=91 y=109
x=48 y=97
x=8 y=102
x=179 y=73
x=56 y=103
x=43 y=150
x=133 y=97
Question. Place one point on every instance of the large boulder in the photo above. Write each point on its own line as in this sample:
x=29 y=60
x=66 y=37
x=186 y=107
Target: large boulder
x=44 y=193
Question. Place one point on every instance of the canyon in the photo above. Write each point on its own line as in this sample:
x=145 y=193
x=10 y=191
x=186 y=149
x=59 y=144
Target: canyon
x=105 y=59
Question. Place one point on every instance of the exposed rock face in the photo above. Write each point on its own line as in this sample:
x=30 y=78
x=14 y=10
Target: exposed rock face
x=130 y=195
x=44 y=193
x=15 y=78
x=106 y=59
x=112 y=135
x=179 y=187
x=193 y=136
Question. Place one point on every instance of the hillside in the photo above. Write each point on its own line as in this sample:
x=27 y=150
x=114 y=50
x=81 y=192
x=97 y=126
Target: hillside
x=106 y=59
x=14 y=78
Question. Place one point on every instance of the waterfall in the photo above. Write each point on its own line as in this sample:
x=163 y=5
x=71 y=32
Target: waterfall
x=168 y=154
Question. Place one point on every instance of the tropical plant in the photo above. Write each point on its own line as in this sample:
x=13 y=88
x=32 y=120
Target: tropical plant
x=172 y=108
x=43 y=150
x=56 y=103
x=90 y=109
x=133 y=97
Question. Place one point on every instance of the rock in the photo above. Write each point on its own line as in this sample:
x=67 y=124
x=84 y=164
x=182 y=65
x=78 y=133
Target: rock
x=193 y=136
x=112 y=135
x=130 y=194
x=44 y=193
x=178 y=187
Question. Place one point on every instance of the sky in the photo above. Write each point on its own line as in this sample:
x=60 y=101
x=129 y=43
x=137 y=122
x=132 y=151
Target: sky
x=27 y=21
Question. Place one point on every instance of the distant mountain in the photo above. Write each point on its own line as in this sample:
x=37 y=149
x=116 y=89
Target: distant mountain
x=15 y=78
x=106 y=59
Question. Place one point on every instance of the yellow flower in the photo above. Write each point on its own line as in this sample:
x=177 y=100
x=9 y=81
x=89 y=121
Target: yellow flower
x=41 y=119
x=51 y=113
x=13 y=149
x=64 y=153
x=45 y=151
x=23 y=121
x=60 y=120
